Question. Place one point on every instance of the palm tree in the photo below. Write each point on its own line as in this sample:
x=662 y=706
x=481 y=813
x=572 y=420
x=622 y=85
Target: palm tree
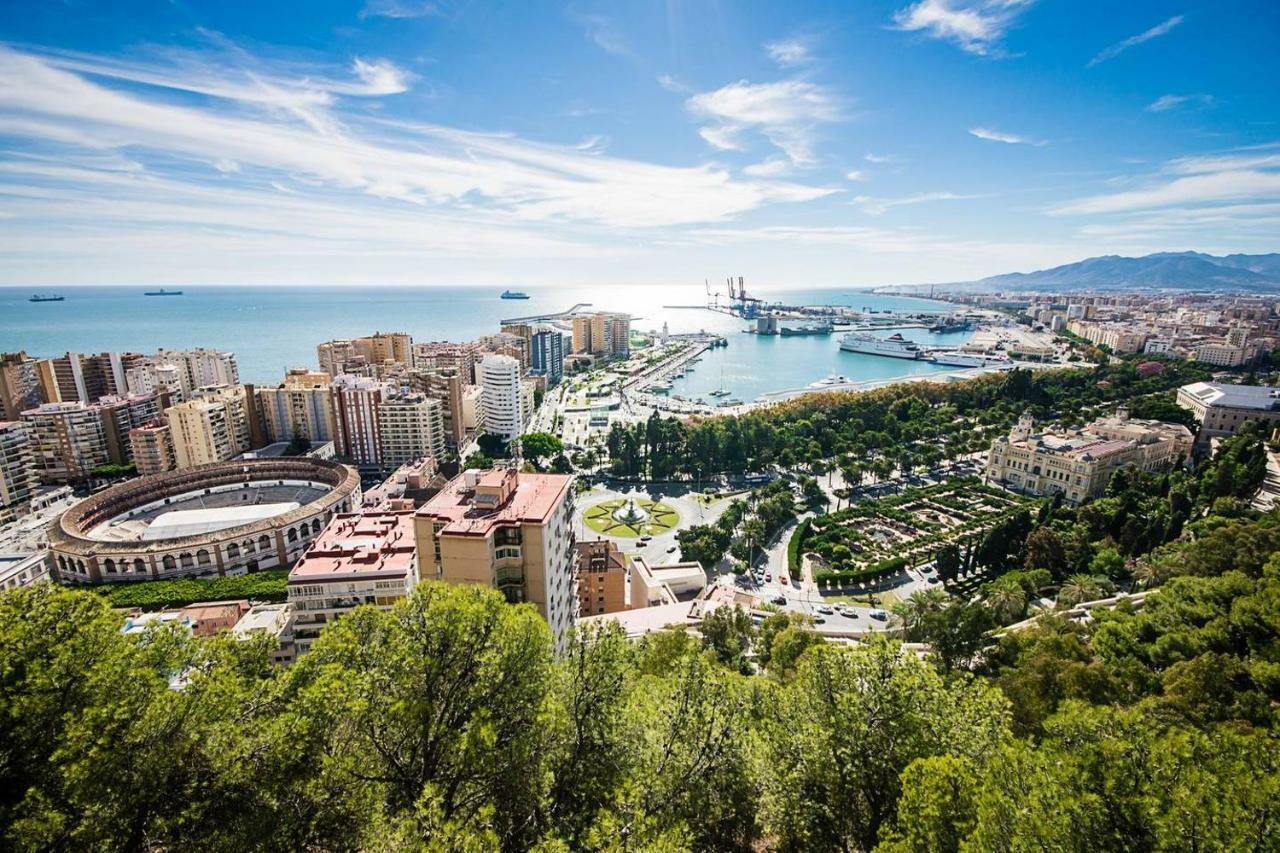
x=1008 y=601
x=918 y=607
x=1148 y=573
x=1078 y=588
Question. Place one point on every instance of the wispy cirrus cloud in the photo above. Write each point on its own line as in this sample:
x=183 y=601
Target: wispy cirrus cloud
x=976 y=26
x=1007 y=138
x=787 y=113
x=1204 y=183
x=881 y=159
x=295 y=133
x=1165 y=103
x=602 y=33
x=1160 y=29
x=407 y=8
x=790 y=52
x=879 y=206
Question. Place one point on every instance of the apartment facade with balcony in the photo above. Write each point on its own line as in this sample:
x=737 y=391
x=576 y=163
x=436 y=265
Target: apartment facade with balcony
x=359 y=558
x=508 y=530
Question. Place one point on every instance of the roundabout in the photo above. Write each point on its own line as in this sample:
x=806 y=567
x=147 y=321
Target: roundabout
x=631 y=517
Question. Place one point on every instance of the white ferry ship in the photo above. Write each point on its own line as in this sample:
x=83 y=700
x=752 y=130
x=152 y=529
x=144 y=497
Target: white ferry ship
x=894 y=346
x=966 y=359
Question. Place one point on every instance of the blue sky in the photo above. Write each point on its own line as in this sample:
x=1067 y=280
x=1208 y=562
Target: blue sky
x=798 y=144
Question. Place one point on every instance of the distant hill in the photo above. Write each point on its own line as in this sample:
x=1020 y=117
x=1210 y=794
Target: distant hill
x=1161 y=271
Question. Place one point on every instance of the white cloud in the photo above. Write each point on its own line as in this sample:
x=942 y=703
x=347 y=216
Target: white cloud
x=1164 y=103
x=1007 y=138
x=878 y=206
x=405 y=9
x=671 y=84
x=856 y=175
x=1234 y=161
x=882 y=159
x=601 y=32
x=297 y=134
x=771 y=168
x=977 y=26
x=1118 y=48
x=787 y=113
x=791 y=52
x=380 y=77
x=1210 y=187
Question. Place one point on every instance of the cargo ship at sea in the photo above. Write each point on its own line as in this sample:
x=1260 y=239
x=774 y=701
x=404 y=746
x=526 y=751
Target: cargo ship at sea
x=894 y=346
x=163 y=292
x=514 y=294
x=36 y=297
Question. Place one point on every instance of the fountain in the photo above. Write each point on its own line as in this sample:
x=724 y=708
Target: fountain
x=631 y=514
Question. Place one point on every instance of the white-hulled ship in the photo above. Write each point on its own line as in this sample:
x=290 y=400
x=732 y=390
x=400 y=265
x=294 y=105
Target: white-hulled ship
x=968 y=359
x=894 y=346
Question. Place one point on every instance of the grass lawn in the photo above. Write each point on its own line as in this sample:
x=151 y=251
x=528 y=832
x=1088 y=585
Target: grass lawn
x=885 y=599
x=662 y=518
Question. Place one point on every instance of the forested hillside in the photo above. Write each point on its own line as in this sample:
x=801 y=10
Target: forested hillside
x=448 y=725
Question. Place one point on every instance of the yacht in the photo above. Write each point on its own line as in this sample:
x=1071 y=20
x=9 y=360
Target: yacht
x=894 y=346
x=966 y=359
x=830 y=382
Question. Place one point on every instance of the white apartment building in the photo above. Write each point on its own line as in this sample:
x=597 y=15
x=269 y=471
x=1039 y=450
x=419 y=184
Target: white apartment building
x=411 y=427
x=504 y=399
x=1221 y=353
x=154 y=376
x=203 y=367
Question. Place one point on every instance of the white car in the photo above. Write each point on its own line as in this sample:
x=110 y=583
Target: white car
x=827 y=611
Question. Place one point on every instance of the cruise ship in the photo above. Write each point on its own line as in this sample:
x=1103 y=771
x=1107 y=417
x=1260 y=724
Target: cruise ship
x=514 y=294
x=894 y=346
x=966 y=359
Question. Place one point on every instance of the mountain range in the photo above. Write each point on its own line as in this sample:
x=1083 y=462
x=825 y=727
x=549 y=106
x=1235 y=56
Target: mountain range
x=1160 y=271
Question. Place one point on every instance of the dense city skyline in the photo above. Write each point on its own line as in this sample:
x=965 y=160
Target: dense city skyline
x=448 y=143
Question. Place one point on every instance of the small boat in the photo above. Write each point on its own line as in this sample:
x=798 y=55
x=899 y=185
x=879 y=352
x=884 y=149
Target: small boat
x=163 y=292
x=36 y=297
x=830 y=381
x=514 y=294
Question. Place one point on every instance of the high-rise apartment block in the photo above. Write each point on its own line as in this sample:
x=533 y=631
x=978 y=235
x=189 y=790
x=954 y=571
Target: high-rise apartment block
x=203 y=367
x=463 y=357
x=360 y=558
x=356 y=401
x=209 y=429
x=67 y=441
x=507 y=530
x=17 y=471
x=604 y=334
x=74 y=377
x=411 y=427
x=19 y=385
x=504 y=399
x=299 y=408
x=152 y=446
x=546 y=355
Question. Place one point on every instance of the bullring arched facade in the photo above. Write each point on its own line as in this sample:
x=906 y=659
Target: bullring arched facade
x=77 y=556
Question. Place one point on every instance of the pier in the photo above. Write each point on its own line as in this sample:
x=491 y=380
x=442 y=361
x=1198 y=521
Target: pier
x=533 y=318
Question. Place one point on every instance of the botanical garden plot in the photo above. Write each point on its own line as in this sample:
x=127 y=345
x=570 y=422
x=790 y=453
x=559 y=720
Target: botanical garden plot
x=877 y=538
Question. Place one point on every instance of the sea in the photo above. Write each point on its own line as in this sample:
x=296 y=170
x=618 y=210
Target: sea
x=271 y=329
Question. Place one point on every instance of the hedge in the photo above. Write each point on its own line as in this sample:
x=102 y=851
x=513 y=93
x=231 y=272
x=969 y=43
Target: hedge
x=875 y=570
x=794 y=547
x=177 y=592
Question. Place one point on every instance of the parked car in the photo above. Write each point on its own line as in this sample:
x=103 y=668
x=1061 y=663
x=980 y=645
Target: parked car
x=828 y=611
x=779 y=600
